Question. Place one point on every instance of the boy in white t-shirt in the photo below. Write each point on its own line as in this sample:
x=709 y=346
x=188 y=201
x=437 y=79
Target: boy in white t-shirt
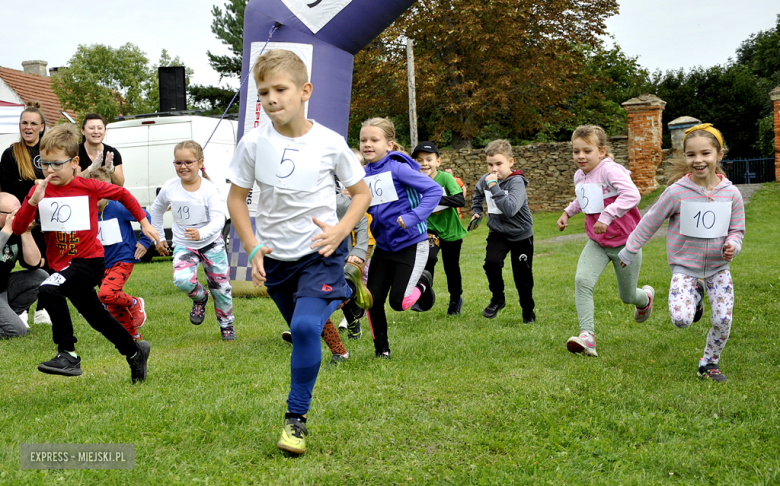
x=299 y=248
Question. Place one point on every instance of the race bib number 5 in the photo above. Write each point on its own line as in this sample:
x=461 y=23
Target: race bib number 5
x=705 y=220
x=382 y=188
x=65 y=214
x=289 y=167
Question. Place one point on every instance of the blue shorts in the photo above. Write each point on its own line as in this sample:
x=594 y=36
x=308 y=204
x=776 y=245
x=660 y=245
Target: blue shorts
x=311 y=276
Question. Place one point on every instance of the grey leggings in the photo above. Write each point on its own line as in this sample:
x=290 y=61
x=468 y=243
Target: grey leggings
x=22 y=291
x=593 y=260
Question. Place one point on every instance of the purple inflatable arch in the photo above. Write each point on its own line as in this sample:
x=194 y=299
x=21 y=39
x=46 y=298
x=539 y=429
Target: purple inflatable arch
x=325 y=34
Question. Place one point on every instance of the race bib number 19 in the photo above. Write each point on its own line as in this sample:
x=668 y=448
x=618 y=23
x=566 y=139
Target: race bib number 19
x=65 y=214
x=705 y=220
x=382 y=188
x=294 y=167
x=188 y=213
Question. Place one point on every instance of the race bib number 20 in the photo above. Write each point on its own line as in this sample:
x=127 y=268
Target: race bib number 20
x=64 y=214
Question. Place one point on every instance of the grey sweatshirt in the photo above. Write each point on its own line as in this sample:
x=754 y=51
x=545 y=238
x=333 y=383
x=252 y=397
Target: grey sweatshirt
x=509 y=195
x=360 y=249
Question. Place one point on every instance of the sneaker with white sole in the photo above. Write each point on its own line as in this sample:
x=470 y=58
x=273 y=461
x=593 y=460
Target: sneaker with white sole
x=585 y=343
x=42 y=317
x=138 y=312
x=293 y=439
x=641 y=315
x=343 y=323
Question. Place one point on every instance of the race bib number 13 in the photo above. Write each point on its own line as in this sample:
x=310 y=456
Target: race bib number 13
x=705 y=220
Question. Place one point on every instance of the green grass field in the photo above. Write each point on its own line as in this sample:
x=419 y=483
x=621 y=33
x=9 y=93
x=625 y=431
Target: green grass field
x=463 y=401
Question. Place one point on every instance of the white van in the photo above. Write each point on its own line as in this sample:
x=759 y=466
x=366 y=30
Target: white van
x=146 y=146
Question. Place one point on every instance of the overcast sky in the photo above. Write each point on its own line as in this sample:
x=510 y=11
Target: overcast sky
x=665 y=34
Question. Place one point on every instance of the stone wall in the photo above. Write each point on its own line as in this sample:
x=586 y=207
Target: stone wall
x=548 y=167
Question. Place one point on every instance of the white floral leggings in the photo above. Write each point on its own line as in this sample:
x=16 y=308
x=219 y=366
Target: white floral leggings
x=683 y=299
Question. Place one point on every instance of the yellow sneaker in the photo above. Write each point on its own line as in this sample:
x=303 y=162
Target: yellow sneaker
x=293 y=439
x=354 y=276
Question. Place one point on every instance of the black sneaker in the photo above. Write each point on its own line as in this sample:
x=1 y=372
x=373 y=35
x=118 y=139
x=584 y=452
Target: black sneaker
x=455 y=307
x=529 y=318
x=416 y=307
x=63 y=364
x=492 y=309
x=228 y=333
x=198 y=312
x=382 y=355
x=138 y=362
x=428 y=298
x=353 y=329
x=337 y=359
x=712 y=372
x=700 y=307
x=287 y=336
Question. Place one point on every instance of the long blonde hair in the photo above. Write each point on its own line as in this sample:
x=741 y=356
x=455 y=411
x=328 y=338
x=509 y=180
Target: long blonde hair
x=22 y=156
x=196 y=149
x=388 y=130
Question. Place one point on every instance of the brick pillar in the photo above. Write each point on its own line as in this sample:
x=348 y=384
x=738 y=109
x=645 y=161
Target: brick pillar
x=775 y=96
x=644 y=140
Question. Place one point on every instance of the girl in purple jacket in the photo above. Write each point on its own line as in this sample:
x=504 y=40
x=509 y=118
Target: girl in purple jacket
x=403 y=198
x=608 y=197
x=706 y=227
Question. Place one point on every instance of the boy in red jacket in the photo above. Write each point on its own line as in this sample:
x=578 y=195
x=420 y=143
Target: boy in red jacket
x=68 y=211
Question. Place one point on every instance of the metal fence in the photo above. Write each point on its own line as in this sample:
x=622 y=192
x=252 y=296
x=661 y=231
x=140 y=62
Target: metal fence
x=750 y=171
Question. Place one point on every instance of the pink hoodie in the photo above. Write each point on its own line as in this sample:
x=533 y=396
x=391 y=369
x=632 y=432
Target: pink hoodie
x=620 y=200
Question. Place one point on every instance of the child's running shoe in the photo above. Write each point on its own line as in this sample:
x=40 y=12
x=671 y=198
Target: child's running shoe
x=641 y=315
x=293 y=439
x=138 y=313
x=711 y=371
x=529 y=318
x=382 y=355
x=343 y=323
x=700 y=306
x=585 y=343
x=287 y=336
x=138 y=361
x=455 y=307
x=353 y=329
x=63 y=364
x=360 y=293
x=198 y=312
x=228 y=333
x=428 y=297
x=24 y=316
x=337 y=359
x=492 y=309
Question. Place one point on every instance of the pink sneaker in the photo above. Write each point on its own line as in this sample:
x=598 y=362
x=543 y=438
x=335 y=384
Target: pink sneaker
x=585 y=343
x=641 y=315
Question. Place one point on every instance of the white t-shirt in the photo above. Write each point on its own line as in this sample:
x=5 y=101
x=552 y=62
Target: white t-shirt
x=200 y=209
x=295 y=180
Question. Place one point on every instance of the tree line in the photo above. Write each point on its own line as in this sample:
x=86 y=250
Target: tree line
x=523 y=70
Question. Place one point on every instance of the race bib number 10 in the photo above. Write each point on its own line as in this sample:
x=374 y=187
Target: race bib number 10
x=64 y=214
x=382 y=188
x=705 y=220
x=292 y=167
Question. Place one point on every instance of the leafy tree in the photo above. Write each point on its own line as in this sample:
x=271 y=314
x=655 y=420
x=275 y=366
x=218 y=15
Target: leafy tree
x=213 y=99
x=104 y=80
x=228 y=26
x=761 y=53
x=112 y=82
x=478 y=62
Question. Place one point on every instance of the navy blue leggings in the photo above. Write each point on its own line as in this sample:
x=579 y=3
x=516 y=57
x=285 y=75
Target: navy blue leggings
x=306 y=317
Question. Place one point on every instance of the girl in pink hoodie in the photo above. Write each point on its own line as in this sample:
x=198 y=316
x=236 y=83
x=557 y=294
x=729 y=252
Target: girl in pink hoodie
x=706 y=227
x=608 y=197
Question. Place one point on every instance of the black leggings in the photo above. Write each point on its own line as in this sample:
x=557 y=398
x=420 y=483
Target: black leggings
x=450 y=255
x=395 y=274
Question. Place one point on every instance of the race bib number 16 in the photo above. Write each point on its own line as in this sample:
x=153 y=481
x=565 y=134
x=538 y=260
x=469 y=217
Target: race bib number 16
x=382 y=188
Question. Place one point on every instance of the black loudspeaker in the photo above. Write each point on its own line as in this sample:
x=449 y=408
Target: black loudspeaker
x=173 y=90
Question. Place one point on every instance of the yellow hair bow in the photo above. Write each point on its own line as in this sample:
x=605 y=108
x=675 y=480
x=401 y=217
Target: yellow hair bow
x=707 y=127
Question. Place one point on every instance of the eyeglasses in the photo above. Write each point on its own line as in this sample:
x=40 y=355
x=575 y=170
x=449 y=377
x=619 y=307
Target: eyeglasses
x=188 y=163
x=43 y=165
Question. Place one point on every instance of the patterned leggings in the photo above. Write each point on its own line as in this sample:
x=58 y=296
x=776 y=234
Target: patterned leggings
x=115 y=299
x=683 y=299
x=215 y=265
